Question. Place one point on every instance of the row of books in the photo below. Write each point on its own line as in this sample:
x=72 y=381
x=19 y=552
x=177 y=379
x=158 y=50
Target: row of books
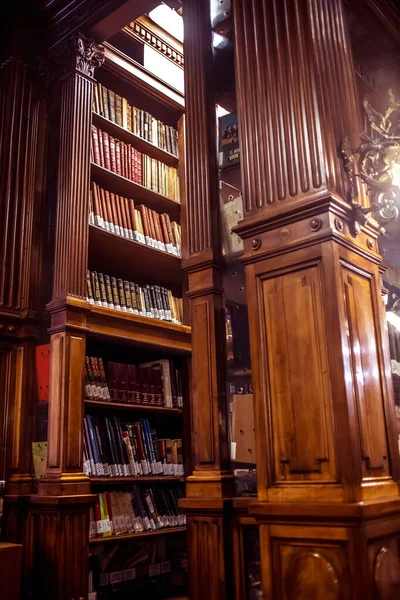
x=120 y=216
x=156 y=383
x=122 y=512
x=152 y=301
x=123 y=159
x=114 y=448
x=113 y=107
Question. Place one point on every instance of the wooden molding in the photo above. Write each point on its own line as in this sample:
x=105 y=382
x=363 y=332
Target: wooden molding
x=148 y=32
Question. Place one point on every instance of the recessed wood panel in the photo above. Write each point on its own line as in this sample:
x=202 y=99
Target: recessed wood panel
x=298 y=377
x=202 y=414
x=366 y=373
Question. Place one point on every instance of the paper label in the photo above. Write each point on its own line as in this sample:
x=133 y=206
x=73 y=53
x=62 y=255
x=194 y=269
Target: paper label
x=154 y=570
x=129 y=574
x=116 y=577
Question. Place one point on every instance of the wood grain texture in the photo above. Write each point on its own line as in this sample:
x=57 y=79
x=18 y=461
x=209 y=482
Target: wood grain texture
x=74 y=171
x=296 y=100
x=19 y=111
x=201 y=177
x=206 y=544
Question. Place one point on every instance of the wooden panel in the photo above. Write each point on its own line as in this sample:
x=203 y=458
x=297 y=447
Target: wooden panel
x=366 y=372
x=203 y=415
x=384 y=557
x=206 y=547
x=298 y=376
x=5 y=386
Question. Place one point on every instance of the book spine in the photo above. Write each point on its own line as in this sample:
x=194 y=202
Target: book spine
x=114 y=288
x=89 y=289
x=103 y=293
x=113 y=380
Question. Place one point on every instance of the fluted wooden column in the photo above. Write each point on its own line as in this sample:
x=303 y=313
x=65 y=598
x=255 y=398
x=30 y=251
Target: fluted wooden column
x=19 y=115
x=327 y=455
x=211 y=480
x=60 y=511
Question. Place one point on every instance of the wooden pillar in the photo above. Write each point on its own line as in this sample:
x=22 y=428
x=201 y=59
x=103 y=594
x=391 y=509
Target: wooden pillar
x=19 y=114
x=60 y=513
x=211 y=481
x=327 y=456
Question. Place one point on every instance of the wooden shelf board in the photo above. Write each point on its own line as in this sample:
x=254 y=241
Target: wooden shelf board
x=129 y=189
x=110 y=253
x=132 y=536
x=136 y=141
x=162 y=410
x=140 y=480
x=108 y=322
x=125 y=67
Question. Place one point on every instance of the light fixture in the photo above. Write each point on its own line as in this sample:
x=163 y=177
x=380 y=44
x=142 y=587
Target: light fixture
x=378 y=164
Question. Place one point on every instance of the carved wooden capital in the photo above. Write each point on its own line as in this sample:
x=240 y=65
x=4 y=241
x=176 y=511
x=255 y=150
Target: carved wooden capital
x=80 y=54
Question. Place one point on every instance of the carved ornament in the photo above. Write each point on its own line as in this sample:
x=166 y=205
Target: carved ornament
x=89 y=55
x=378 y=164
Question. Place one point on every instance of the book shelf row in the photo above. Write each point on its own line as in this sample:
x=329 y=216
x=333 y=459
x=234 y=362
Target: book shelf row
x=152 y=301
x=136 y=511
x=116 y=448
x=125 y=160
x=117 y=109
x=119 y=215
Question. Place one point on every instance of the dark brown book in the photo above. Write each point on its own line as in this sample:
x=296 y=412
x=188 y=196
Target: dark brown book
x=113 y=380
x=127 y=290
x=133 y=296
x=96 y=288
x=118 y=110
x=145 y=386
x=153 y=232
x=89 y=287
x=111 y=103
x=103 y=293
x=106 y=150
x=100 y=91
x=105 y=103
x=122 y=383
x=110 y=299
x=169 y=228
x=168 y=139
x=114 y=287
x=121 y=293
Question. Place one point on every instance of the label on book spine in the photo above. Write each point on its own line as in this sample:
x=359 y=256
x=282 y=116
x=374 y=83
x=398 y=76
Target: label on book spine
x=106 y=225
x=148 y=240
x=117 y=229
x=99 y=221
x=131 y=236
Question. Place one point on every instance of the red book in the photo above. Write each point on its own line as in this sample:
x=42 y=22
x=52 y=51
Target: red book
x=122 y=147
x=102 y=161
x=106 y=147
x=113 y=157
x=129 y=161
x=95 y=145
x=118 y=157
x=139 y=168
x=113 y=380
x=122 y=383
x=134 y=164
x=145 y=387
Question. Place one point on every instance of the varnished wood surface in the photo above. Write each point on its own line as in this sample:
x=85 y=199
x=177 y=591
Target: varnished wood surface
x=110 y=253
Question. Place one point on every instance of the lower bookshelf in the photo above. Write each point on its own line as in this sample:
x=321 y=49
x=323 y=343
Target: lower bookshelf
x=134 y=536
x=145 y=480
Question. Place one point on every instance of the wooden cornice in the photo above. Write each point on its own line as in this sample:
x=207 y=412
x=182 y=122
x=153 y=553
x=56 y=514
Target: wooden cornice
x=385 y=10
x=148 y=32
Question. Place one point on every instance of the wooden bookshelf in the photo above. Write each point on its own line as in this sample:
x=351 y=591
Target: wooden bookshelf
x=135 y=140
x=118 y=325
x=138 y=480
x=112 y=253
x=129 y=189
x=143 y=408
x=133 y=536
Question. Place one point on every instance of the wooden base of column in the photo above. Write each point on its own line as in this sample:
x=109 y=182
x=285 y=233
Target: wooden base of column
x=346 y=551
x=60 y=530
x=209 y=548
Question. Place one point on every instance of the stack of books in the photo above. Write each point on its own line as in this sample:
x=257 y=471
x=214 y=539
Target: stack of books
x=123 y=159
x=152 y=301
x=135 y=511
x=120 y=216
x=116 y=109
x=114 y=448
